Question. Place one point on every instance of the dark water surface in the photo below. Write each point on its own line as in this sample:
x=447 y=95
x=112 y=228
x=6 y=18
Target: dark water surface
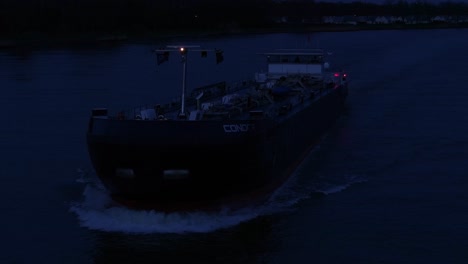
x=388 y=184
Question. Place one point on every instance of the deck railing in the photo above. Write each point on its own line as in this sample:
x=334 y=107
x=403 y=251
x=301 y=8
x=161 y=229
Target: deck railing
x=174 y=103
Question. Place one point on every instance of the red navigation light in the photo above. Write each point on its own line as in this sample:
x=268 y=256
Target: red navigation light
x=337 y=75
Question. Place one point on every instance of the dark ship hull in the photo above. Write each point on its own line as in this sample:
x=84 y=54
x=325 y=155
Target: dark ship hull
x=183 y=164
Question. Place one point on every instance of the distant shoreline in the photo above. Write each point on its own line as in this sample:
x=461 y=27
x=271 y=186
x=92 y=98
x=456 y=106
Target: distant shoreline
x=42 y=40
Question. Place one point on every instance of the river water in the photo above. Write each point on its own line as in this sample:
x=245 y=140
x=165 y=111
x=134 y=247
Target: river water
x=386 y=185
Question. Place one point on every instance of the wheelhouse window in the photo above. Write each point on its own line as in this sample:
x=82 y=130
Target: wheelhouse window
x=274 y=58
x=295 y=58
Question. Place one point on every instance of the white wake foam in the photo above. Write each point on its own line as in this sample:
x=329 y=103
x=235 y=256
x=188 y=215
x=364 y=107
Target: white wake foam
x=97 y=211
x=327 y=187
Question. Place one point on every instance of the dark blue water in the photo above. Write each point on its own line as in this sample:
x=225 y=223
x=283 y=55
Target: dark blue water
x=387 y=184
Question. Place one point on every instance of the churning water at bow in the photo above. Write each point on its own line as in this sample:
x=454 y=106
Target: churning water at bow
x=386 y=185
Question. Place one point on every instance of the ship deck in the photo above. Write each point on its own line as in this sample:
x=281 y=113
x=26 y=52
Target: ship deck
x=242 y=100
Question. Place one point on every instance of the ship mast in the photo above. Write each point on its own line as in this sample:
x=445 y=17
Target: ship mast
x=183 y=52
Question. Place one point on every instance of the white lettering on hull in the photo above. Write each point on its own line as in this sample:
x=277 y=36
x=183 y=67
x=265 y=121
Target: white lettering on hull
x=237 y=128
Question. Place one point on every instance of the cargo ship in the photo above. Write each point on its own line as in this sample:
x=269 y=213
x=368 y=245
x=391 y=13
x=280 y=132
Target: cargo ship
x=220 y=144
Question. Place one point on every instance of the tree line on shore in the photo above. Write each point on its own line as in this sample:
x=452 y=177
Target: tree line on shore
x=138 y=16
